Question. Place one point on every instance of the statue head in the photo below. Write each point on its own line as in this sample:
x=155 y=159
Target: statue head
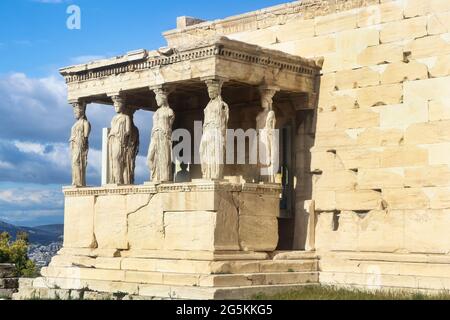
x=266 y=103
x=267 y=95
x=79 y=110
x=162 y=97
x=214 y=88
x=119 y=104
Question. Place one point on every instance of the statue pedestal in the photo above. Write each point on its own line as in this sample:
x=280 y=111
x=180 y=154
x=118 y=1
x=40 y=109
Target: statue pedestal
x=189 y=238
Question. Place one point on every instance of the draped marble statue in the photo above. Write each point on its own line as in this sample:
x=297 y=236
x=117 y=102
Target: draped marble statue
x=212 y=145
x=160 y=152
x=132 y=149
x=118 y=141
x=269 y=141
x=268 y=137
x=79 y=145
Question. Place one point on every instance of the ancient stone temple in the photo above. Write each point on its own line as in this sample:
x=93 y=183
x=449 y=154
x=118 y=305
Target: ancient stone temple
x=350 y=103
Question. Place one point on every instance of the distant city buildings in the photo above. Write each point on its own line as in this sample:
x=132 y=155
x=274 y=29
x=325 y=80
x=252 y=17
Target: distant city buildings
x=42 y=255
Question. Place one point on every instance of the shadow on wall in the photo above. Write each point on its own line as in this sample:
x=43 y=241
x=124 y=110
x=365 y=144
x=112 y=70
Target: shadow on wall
x=294 y=229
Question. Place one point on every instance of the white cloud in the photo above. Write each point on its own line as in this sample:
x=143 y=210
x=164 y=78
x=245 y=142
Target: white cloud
x=29 y=147
x=56 y=153
x=36 y=122
x=32 y=217
x=6 y=165
x=30 y=196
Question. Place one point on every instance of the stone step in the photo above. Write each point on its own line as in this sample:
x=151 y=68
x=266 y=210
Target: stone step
x=226 y=293
x=166 y=254
x=359 y=265
x=68 y=278
x=6 y=293
x=186 y=266
x=379 y=281
x=157 y=292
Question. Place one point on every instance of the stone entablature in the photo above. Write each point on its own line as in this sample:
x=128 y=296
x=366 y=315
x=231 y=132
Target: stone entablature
x=216 y=57
x=223 y=47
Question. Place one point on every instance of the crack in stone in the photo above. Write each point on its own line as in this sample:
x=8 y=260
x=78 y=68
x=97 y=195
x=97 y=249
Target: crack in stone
x=150 y=197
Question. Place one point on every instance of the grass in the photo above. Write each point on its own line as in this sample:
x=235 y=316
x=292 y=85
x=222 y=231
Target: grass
x=333 y=293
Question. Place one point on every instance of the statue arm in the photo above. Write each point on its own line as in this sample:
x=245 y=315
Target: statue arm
x=227 y=111
x=87 y=129
x=138 y=142
x=172 y=118
x=72 y=136
x=128 y=126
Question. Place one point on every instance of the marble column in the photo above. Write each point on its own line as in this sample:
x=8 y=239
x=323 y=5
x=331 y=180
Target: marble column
x=268 y=143
x=79 y=144
x=159 y=157
x=118 y=140
x=213 y=142
x=132 y=149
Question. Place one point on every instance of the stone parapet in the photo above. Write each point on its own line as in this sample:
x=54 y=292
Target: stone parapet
x=199 y=216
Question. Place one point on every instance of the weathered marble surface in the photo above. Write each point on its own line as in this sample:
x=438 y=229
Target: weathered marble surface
x=79 y=145
x=118 y=141
x=160 y=150
x=212 y=145
x=200 y=216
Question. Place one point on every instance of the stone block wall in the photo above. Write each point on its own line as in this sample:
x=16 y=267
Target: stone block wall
x=381 y=146
x=8 y=280
x=202 y=216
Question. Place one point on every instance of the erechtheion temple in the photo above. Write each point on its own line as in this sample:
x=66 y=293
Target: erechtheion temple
x=357 y=93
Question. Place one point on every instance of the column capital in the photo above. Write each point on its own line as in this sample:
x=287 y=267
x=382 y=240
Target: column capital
x=212 y=79
x=118 y=99
x=268 y=87
x=78 y=103
x=115 y=94
x=162 y=88
x=267 y=93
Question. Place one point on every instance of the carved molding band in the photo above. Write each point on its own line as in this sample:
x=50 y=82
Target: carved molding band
x=222 y=48
x=266 y=189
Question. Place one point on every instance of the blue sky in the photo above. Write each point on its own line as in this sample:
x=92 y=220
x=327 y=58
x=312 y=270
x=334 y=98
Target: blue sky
x=35 y=118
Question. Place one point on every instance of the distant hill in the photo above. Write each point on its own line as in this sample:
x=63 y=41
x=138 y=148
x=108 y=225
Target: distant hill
x=43 y=235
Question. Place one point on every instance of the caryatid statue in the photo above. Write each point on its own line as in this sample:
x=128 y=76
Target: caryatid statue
x=160 y=152
x=132 y=149
x=118 y=142
x=79 y=144
x=267 y=135
x=212 y=145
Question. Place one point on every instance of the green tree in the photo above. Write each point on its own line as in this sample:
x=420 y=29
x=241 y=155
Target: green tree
x=17 y=252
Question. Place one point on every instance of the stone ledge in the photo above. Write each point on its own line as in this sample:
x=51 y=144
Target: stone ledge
x=162 y=293
x=203 y=186
x=78 y=265
x=387 y=257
